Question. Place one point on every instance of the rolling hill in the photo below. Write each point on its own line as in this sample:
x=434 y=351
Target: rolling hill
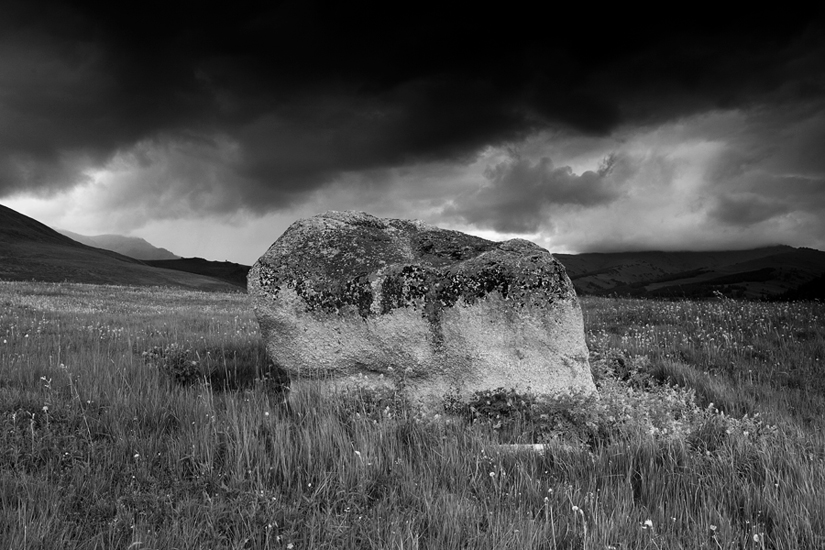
x=30 y=250
x=758 y=273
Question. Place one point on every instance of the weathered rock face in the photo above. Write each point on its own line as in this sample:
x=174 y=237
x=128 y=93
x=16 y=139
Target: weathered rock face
x=360 y=300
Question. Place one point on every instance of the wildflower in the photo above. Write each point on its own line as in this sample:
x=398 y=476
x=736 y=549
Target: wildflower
x=712 y=527
x=648 y=524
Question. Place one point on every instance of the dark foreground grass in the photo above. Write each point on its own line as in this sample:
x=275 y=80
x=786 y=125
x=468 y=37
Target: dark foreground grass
x=135 y=418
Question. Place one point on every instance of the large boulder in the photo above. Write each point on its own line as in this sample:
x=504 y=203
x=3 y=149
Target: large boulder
x=365 y=301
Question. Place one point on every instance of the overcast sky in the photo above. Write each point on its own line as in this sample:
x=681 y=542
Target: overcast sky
x=209 y=132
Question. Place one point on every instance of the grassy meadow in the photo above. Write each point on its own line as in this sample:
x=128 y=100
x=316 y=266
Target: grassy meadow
x=140 y=418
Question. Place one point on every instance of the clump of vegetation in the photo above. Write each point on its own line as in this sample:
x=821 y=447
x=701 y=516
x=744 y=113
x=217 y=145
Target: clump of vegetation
x=519 y=417
x=221 y=368
x=373 y=405
x=631 y=402
x=176 y=363
x=707 y=433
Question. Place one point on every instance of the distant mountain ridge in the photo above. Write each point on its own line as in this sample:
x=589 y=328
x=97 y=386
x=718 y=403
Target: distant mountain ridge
x=134 y=247
x=30 y=250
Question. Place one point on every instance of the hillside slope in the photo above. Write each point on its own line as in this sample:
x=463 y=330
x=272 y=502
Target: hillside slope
x=30 y=250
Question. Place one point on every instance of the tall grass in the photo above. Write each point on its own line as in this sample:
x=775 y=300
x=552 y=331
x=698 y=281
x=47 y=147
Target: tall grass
x=149 y=418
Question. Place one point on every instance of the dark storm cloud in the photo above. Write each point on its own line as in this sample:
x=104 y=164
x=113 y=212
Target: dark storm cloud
x=306 y=92
x=768 y=197
x=744 y=210
x=520 y=195
x=773 y=166
x=318 y=136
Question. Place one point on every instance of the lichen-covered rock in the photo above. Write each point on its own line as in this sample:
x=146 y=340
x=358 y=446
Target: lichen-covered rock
x=359 y=300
